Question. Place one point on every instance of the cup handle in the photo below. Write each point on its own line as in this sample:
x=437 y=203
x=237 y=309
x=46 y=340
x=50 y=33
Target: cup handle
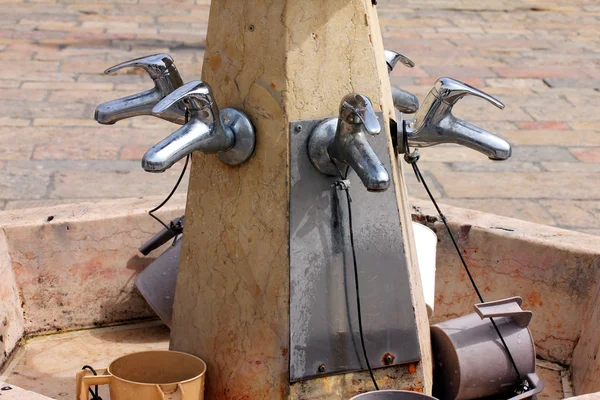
x=176 y=395
x=91 y=380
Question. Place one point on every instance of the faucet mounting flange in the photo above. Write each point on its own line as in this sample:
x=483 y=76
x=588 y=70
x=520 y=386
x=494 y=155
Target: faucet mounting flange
x=244 y=134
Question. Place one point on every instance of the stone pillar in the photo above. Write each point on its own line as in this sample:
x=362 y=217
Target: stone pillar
x=278 y=61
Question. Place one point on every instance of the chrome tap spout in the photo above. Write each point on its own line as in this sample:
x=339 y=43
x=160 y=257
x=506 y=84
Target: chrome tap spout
x=228 y=133
x=343 y=140
x=435 y=124
x=161 y=68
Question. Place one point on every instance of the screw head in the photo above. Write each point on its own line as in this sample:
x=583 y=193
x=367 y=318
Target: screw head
x=321 y=368
x=388 y=359
x=298 y=128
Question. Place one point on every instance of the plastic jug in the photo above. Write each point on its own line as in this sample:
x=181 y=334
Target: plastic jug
x=471 y=362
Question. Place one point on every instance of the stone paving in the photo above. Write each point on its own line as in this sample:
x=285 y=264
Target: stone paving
x=541 y=58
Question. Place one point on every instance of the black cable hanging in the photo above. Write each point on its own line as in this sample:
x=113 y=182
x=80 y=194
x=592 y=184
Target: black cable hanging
x=151 y=212
x=341 y=185
x=92 y=393
x=412 y=159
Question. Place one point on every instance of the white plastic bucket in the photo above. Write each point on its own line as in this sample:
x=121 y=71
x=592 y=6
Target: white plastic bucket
x=426 y=244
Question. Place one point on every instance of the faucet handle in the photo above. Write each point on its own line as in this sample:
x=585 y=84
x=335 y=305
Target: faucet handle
x=357 y=109
x=156 y=65
x=434 y=122
x=163 y=72
x=197 y=94
x=450 y=91
x=392 y=58
x=404 y=101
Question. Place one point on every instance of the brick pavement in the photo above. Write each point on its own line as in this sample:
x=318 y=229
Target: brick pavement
x=541 y=59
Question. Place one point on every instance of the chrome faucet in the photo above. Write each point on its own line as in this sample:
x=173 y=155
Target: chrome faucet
x=227 y=133
x=163 y=72
x=343 y=140
x=404 y=101
x=434 y=123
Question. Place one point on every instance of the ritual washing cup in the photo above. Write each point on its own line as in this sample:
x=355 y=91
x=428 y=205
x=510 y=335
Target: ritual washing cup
x=149 y=375
x=392 y=395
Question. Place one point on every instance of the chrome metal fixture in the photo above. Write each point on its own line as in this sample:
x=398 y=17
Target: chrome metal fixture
x=163 y=72
x=392 y=58
x=434 y=123
x=227 y=133
x=343 y=140
x=404 y=101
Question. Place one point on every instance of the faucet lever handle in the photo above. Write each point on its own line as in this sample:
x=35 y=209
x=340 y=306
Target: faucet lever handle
x=198 y=93
x=156 y=65
x=357 y=109
x=450 y=91
x=392 y=58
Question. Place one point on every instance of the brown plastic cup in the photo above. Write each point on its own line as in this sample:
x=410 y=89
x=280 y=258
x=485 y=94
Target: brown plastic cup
x=149 y=375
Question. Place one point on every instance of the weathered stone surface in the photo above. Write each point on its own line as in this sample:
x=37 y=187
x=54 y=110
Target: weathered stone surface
x=586 y=358
x=591 y=396
x=297 y=61
x=13 y=392
x=555 y=271
x=74 y=266
x=11 y=314
x=49 y=364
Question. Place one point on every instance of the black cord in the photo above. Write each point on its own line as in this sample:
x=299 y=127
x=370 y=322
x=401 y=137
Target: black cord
x=358 y=307
x=414 y=158
x=187 y=159
x=94 y=395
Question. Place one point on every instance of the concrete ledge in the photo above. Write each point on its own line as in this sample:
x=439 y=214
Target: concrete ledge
x=76 y=270
x=73 y=266
x=11 y=313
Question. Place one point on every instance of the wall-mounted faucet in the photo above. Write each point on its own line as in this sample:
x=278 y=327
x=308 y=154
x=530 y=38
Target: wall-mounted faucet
x=163 y=72
x=343 y=140
x=435 y=124
x=227 y=133
x=404 y=101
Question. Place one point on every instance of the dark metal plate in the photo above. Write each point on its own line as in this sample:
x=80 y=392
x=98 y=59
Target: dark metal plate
x=324 y=331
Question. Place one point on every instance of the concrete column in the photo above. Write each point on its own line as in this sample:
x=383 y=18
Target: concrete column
x=278 y=61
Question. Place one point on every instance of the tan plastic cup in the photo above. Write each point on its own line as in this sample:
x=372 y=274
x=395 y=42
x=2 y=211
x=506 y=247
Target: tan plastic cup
x=149 y=375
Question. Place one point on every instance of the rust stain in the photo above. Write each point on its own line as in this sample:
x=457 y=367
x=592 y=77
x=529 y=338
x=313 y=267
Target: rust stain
x=464 y=232
x=273 y=86
x=412 y=368
x=534 y=299
x=215 y=61
x=284 y=351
